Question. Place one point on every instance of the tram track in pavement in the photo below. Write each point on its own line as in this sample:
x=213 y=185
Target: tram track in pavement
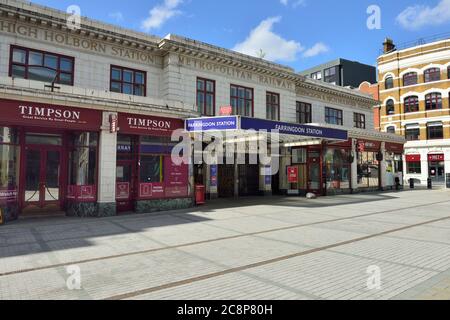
x=189 y=244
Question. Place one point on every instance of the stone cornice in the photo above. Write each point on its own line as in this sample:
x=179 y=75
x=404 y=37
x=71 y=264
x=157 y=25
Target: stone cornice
x=54 y=19
x=206 y=52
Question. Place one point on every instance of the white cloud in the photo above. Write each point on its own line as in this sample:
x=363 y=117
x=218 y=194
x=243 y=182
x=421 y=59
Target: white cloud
x=315 y=50
x=415 y=17
x=274 y=46
x=118 y=16
x=295 y=4
x=160 y=14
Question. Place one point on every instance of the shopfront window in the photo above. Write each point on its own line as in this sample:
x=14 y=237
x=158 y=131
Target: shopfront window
x=9 y=163
x=414 y=167
x=368 y=170
x=151 y=169
x=337 y=168
x=83 y=165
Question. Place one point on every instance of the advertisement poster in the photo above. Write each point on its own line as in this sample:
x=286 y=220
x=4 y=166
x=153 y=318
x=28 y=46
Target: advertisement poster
x=123 y=190
x=176 y=179
x=292 y=174
x=213 y=181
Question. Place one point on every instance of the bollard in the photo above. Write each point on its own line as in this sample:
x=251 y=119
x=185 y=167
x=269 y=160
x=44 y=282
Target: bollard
x=429 y=184
x=411 y=183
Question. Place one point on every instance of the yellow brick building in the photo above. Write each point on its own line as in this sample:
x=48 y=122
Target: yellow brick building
x=414 y=86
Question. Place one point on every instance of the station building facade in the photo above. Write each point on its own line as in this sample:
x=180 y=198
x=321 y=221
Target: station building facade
x=414 y=93
x=86 y=118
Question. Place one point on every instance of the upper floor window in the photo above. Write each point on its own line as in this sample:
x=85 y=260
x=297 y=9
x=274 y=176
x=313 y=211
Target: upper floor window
x=334 y=116
x=316 y=75
x=241 y=100
x=412 y=132
x=410 y=79
x=359 y=120
x=411 y=104
x=330 y=75
x=128 y=81
x=390 y=129
x=41 y=66
x=390 y=107
x=389 y=83
x=433 y=101
x=304 y=112
x=435 y=130
x=206 y=96
x=272 y=106
x=432 y=74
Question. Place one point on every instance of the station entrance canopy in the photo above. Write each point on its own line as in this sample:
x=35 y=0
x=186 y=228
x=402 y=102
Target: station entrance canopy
x=289 y=133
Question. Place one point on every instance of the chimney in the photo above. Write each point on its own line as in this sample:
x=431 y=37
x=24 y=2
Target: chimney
x=388 y=45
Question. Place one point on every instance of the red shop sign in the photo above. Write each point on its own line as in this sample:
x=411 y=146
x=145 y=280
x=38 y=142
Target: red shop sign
x=8 y=195
x=292 y=174
x=368 y=145
x=436 y=157
x=394 y=147
x=413 y=158
x=46 y=115
x=148 y=125
x=226 y=111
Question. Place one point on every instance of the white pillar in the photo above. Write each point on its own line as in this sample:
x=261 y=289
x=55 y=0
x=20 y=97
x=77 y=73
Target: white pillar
x=107 y=168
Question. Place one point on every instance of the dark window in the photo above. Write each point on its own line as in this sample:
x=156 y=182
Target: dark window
x=412 y=133
x=389 y=83
x=432 y=74
x=410 y=79
x=448 y=72
x=41 y=66
x=334 y=116
x=411 y=104
x=359 y=120
x=128 y=81
x=433 y=101
x=435 y=131
x=317 y=75
x=390 y=107
x=390 y=130
x=83 y=159
x=151 y=169
x=206 y=96
x=304 y=113
x=272 y=106
x=242 y=100
x=330 y=75
x=414 y=167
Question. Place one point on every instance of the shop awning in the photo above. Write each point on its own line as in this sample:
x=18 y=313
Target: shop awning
x=289 y=132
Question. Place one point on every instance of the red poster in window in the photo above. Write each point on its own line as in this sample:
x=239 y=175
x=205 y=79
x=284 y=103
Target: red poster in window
x=176 y=178
x=436 y=157
x=87 y=193
x=51 y=116
x=151 y=190
x=292 y=174
x=122 y=190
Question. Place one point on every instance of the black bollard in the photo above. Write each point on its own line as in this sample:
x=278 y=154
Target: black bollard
x=429 y=184
x=411 y=183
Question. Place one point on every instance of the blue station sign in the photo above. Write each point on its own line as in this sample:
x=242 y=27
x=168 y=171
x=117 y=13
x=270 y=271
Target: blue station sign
x=293 y=129
x=212 y=124
x=244 y=123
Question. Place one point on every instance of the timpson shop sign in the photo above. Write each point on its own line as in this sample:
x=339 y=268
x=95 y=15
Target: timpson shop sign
x=148 y=125
x=45 y=115
x=63 y=38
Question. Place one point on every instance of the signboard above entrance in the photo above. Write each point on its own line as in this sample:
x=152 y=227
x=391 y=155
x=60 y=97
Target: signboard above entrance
x=148 y=125
x=49 y=116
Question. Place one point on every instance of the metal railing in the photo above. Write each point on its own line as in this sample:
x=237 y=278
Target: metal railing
x=419 y=42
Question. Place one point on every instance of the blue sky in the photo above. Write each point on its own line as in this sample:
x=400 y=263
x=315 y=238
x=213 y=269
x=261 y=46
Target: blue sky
x=297 y=33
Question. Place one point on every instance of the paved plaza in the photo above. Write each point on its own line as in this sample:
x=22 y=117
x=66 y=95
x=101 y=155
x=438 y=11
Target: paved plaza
x=367 y=246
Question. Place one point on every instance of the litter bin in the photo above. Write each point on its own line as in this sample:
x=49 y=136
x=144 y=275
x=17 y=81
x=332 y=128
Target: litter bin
x=200 y=194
